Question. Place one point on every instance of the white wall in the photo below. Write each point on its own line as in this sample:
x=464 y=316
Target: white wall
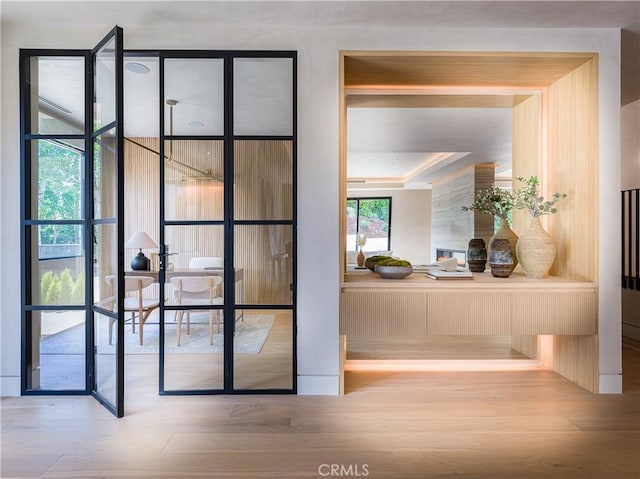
x=410 y=222
x=318 y=48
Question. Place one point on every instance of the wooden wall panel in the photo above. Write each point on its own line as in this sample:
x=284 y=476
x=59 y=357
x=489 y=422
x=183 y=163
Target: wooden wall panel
x=263 y=191
x=526 y=150
x=376 y=313
x=572 y=168
x=527 y=345
x=576 y=358
x=462 y=313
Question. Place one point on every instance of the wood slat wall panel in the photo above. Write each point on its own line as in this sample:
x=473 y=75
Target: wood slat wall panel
x=374 y=313
x=572 y=168
x=478 y=313
x=564 y=312
x=576 y=358
x=263 y=191
x=526 y=150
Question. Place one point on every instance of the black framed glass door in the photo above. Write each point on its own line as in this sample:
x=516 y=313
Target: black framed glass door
x=106 y=228
x=227 y=196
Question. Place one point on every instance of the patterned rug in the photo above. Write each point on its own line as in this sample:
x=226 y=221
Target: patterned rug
x=249 y=338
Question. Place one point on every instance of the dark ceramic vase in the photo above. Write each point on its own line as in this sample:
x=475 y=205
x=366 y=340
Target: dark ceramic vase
x=501 y=258
x=477 y=255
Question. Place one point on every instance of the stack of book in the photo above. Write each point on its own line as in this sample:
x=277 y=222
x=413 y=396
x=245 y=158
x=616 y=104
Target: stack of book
x=440 y=273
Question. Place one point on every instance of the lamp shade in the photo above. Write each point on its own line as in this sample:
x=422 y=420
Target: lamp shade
x=140 y=240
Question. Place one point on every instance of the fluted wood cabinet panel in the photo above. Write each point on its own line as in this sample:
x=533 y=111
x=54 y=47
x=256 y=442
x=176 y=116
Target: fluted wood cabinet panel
x=371 y=313
x=563 y=312
x=572 y=168
x=469 y=313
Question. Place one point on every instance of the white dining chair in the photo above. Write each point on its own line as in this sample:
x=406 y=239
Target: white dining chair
x=197 y=290
x=135 y=303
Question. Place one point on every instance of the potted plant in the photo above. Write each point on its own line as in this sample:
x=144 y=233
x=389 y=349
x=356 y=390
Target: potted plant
x=536 y=249
x=498 y=202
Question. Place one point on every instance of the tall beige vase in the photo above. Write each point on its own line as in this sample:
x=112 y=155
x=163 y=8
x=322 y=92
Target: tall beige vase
x=536 y=250
x=505 y=232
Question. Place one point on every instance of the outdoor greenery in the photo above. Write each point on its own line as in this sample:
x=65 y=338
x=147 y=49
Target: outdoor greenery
x=59 y=191
x=529 y=198
x=62 y=288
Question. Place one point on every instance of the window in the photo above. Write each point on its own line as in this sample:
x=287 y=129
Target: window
x=371 y=217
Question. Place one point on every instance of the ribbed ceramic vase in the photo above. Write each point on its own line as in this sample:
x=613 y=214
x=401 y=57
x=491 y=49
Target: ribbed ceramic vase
x=505 y=232
x=536 y=250
x=477 y=255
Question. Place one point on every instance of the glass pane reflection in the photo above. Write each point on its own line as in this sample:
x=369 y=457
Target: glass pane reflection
x=58 y=350
x=263 y=350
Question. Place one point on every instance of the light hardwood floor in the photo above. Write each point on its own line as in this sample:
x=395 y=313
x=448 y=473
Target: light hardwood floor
x=498 y=425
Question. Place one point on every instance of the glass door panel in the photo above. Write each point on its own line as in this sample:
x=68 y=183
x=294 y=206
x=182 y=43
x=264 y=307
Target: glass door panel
x=193 y=180
x=57 y=107
x=263 y=180
x=263 y=254
x=263 y=350
x=263 y=96
x=107 y=316
x=57 y=359
x=196 y=85
x=193 y=310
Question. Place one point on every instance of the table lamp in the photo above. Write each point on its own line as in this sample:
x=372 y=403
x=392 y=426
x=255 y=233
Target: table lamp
x=138 y=241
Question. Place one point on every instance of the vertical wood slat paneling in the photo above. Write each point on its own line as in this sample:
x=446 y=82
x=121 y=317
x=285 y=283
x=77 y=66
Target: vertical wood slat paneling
x=478 y=313
x=526 y=150
x=375 y=313
x=572 y=168
x=542 y=313
x=263 y=191
x=576 y=358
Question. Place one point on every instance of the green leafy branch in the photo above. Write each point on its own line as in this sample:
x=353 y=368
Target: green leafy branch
x=493 y=201
x=529 y=198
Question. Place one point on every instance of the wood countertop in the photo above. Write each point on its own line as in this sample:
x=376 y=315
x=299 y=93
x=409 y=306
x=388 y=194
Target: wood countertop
x=419 y=280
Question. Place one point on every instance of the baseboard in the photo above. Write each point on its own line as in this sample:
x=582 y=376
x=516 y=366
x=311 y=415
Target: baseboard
x=318 y=385
x=610 y=384
x=9 y=386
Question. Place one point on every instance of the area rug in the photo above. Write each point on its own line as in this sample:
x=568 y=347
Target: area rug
x=250 y=335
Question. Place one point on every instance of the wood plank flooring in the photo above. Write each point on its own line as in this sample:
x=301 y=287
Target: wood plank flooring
x=471 y=425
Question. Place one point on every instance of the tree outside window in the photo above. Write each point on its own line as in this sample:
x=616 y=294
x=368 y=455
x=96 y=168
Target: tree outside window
x=372 y=217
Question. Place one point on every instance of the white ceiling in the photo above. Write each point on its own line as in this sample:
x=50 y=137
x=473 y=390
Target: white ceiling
x=412 y=146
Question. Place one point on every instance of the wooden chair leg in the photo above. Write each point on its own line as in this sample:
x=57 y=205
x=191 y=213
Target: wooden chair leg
x=141 y=323
x=179 y=329
x=188 y=322
x=133 y=323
